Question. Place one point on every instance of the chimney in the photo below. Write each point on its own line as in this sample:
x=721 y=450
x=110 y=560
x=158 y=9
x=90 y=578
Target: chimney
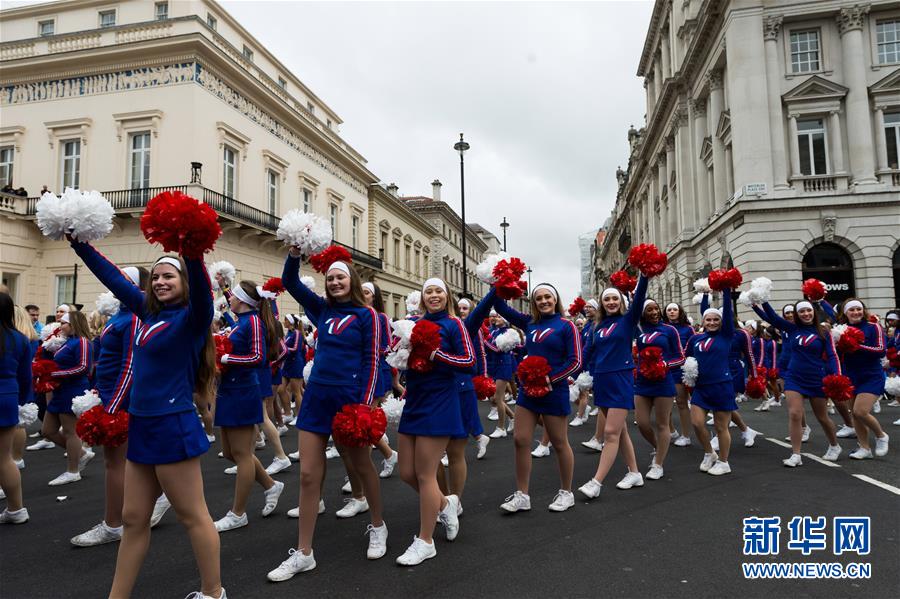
x=436 y=190
x=393 y=189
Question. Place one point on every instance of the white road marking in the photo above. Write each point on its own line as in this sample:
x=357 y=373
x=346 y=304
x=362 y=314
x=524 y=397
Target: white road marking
x=878 y=483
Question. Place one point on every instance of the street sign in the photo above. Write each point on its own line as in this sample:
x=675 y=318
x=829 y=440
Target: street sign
x=755 y=189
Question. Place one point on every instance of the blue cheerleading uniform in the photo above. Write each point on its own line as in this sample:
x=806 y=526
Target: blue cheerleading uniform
x=296 y=355
x=276 y=366
x=609 y=357
x=557 y=341
x=500 y=364
x=783 y=360
x=713 y=389
x=665 y=337
x=685 y=332
x=741 y=347
x=348 y=344
x=468 y=400
x=863 y=366
x=237 y=403
x=15 y=376
x=163 y=426
x=114 y=372
x=385 y=378
x=74 y=364
x=764 y=352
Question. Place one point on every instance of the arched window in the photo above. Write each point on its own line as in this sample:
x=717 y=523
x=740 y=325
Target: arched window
x=896 y=263
x=831 y=264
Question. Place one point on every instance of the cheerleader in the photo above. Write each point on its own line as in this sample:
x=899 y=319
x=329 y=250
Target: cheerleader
x=15 y=390
x=677 y=317
x=272 y=414
x=74 y=364
x=809 y=344
x=863 y=367
x=345 y=372
x=238 y=409
x=556 y=340
x=612 y=366
x=293 y=364
x=582 y=412
x=385 y=384
x=656 y=395
x=500 y=365
x=23 y=324
x=113 y=384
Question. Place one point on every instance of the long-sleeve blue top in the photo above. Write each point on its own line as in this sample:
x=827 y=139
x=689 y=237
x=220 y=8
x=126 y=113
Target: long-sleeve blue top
x=73 y=362
x=454 y=358
x=115 y=362
x=296 y=349
x=866 y=361
x=711 y=349
x=741 y=346
x=168 y=343
x=666 y=338
x=15 y=367
x=685 y=332
x=472 y=323
x=248 y=352
x=609 y=348
x=813 y=356
x=764 y=352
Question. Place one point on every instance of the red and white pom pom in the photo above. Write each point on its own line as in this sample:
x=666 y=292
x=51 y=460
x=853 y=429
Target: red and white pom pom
x=647 y=258
x=508 y=340
x=393 y=409
x=893 y=358
x=532 y=373
x=223 y=268
x=485 y=386
x=577 y=306
x=181 y=224
x=223 y=347
x=892 y=386
x=358 y=425
x=309 y=282
x=838 y=387
x=756 y=385
x=720 y=279
x=107 y=304
x=310 y=233
x=53 y=339
x=847 y=339
x=690 y=370
x=813 y=289
x=485 y=269
x=423 y=341
x=623 y=281
x=85 y=402
x=760 y=292
x=508 y=278
x=702 y=285
x=28 y=414
x=585 y=381
x=651 y=365
x=41 y=370
x=307 y=370
x=274 y=285
x=333 y=253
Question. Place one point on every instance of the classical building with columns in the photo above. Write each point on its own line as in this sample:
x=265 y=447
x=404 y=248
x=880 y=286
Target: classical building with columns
x=771 y=143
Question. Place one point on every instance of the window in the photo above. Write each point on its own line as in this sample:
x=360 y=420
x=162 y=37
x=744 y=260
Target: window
x=7 y=157
x=406 y=261
x=328 y=123
x=397 y=253
x=162 y=11
x=229 y=182
x=140 y=160
x=248 y=53
x=71 y=163
x=354 y=231
x=332 y=214
x=65 y=286
x=211 y=21
x=805 y=51
x=811 y=143
x=272 y=189
x=311 y=108
x=307 y=200
x=107 y=18
x=891 y=136
x=888 y=39
x=11 y=279
x=46 y=27
x=282 y=83
x=384 y=246
x=418 y=262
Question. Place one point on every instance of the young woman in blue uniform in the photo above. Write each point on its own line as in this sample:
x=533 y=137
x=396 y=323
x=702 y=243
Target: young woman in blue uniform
x=173 y=355
x=864 y=369
x=345 y=371
x=73 y=361
x=555 y=339
x=385 y=384
x=500 y=365
x=295 y=343
x=112 y=381
x=15 y=390
x=431 y=417
x=677 y=317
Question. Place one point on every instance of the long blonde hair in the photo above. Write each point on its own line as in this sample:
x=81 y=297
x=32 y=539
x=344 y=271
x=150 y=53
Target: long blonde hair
x=22 y=322
x=451 y=305
x=96 y=322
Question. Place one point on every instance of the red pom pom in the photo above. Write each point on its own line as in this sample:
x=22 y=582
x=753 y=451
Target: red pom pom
x=97 y=427
x=507 y=275
x=116 y=428
x=333 y=253
x=813 y=289
x=358 y=425
x=310 y=354
x=893 y=358
x=424 y=339
x=837 y=387
x=577 y=306
x=873 y=319
x=223 y=346
x=485 y=386
x=773 y=373
x=648 y=259
x=274 y=285
x=180 y=224
x=651 y=365
x=851 y=340
x=756 y=386
x=41 y=369
x=721 y=279
x=622 y=281
x=532 y=373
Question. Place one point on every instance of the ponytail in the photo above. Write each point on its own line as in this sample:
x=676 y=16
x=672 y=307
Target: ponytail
x=268 y=319
x=206 y=373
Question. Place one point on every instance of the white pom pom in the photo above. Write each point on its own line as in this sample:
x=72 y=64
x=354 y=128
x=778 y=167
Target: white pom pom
x=52 y=215
x=690 y=370
x=761 y=290
x=310 y=233
x=307 y=370
x=393 y=408
x=91 y=217
x=837 y=331
x=28 y=414
x=398 y=358
x=702 y=286
x=745 y=298
x=54 y=343
x=892 y=386
x=403 y=329
x=485 y=270
x=84 y=402
x=574 y=393
x=221 y=304
x=697 y=299
x=224 y=268
x=309 y=282
x=49 y=330
x=508 y=340
x=107 y=304
x=885 y=363
x=310 y=340
x=585 y=381
x=412 y=302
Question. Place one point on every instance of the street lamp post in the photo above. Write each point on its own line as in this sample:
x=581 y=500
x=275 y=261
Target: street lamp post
x=461 y=146
x=529 y=271
x=504 y=225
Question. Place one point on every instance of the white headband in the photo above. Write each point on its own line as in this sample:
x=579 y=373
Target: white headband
x=133 y=274
x=464 y=300
x=493 y=312
x=593 y=304
x=751 y=324
x=853 y=304
x=242 y=295
x=339 y=266
x=891 y=316
x=434 y=282
x=62 y=308
x=672 y=305
x=804 y=304
x=547 y=287
x=787 y=309
x=709 y=311
x=168 y=260
x=64 y=317
x=611 y=291
x=647 y=303
x=290 y=318
x=370 y=286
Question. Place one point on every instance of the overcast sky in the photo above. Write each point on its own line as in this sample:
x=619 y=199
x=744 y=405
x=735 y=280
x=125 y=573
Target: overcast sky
x=544 y=92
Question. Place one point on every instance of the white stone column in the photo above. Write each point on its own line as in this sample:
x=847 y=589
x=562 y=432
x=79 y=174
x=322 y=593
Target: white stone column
x=859 y=122
x=687 y=194
x=651 y=101
x=880 y=140
x=729 y=174
x=716 y=106
x=665 y=55
x=772 y=27
x=663 y=224
x=657 y=79
x=837 y=145
x=701 y=201
x=672 y=212
x=795 y=151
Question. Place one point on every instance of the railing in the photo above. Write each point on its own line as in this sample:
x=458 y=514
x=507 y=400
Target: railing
x=895 y=179
x=361 y=257
x=8 y=202
x=121 y=199
x=248 y=214
x=819 y=183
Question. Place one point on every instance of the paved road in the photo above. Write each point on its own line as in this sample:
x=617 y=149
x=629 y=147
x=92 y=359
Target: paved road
x=678 y=537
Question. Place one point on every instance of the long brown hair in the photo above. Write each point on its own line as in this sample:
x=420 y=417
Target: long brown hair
x=377 y=300
x=356 y=293
x=79 y=324
x=842 y=316
x=535 y=313
x=267 y=317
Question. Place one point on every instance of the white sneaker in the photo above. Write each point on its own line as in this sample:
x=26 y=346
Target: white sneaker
x=591 y=489
x=2 y=494
x=231 y=470
x=347 y=488
x=683 y=441
x=445 y=461
x=230 y=521
x=272 y=494
x=896 y=422
x=41 y=444
x=708 y=460
x=20 y=464
x=449 y=517
x=352 y=507
x=417 y=553
x=594 y=411
x=388 y=465
x=881 y=445
x=493 y=415
x=282 y=430
x=762 y=407
x=294 y=457
x=220 y=455
x=99 y=535
x=876 y=407
x=65 y=478
x=19 y=516
x=656 y=471
x=710 y=421
x=294 y=564
x=510 y=424
x=806 y=433
x=377 y=541
x=577 y=421
x=331 y=453
x=632 y=479
x=793 y=461
x=295 y=512
x=260 y=444
x=211 y=438
x=541 y=451
x=509 y=399
x=278 y=465
x=832 y=454
x=159 y=509
x=593 y=443
x=517 y=502
x=720 y=468
x=846 y=432
x=498 y=433
x=749 y=437
x=563 y=501
x=714 y=443
x=86 y=457
x=201 y=595
x=861 y=454
x=894 y=403
x=483 y=441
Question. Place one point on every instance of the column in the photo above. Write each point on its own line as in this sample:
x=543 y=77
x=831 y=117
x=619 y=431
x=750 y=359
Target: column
x=657 y=79
x=837 y=145
x=795 y=151
x=663 y=224
x=716 y=106
x=698 y=111
x=859 y=124
x=651 y=101
x=672 y=212
x=772 y=27
x=666 y=55
x=880 y=140
x=729 y=173
x=687 y=194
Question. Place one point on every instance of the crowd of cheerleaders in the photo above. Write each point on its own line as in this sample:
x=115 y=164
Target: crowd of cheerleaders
x=163 y=358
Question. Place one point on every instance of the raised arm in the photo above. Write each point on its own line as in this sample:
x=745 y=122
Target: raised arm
x=572 y=341
x=760 y=313
x=112 y=278
x=704 y=304
x=827 y=309
x=727 y=313
x=126 y=369
x=290 y=278
x=479 y=313
x=777 y=321
x=462 y=357
x=511 y=315
x=371 y=352
x=633 y=315
x=201 y=295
